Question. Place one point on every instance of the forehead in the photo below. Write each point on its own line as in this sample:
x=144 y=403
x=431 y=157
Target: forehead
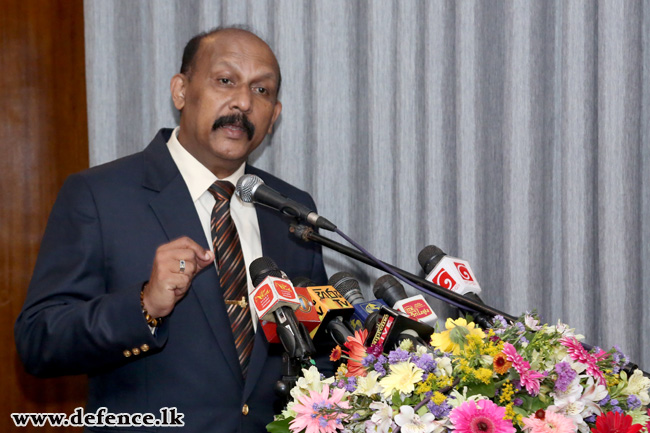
x=237 y=48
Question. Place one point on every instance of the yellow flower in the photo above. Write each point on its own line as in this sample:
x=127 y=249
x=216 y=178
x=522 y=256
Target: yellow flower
x=368 y=385
x=507 y=392
x=402 y=377
x=484 y=375
x=438 y=398
x=455 y=336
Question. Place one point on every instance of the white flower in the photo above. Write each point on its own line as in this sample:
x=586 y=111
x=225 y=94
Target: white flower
x=592 y=395
x=577 y=402
x=638 y=385
x=531 y=322
x=568 y=403
x=310 y=381
x=382 y=418
x=459 y=398
x=368 y=385
x=410 y=422
x=444 y=367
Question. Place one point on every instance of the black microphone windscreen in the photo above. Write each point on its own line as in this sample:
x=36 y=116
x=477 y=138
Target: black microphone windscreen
x=263 y=267
x=303 y=282
x=429 y=257
x=348 y=286
x=389 y=289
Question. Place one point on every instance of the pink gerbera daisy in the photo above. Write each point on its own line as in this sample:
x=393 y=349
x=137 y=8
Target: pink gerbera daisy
x=482 y=416
x=579 y=354
x=529 y=378
x=318 y=412
x=550 y=423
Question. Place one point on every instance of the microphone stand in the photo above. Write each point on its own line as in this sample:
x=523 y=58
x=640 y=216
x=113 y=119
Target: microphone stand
x=308 y=234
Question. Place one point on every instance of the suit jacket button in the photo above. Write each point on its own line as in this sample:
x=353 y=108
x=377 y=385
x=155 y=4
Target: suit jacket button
x=244 y=409
x=126 y=353
x=144 y=347
x=135 y=351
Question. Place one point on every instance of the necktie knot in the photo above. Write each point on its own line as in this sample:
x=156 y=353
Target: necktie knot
x=222 y=190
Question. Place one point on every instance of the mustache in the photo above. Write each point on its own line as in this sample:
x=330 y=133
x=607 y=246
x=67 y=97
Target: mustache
x=240 y=120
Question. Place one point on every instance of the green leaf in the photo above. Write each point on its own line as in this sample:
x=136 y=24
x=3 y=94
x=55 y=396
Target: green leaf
x=457 y=335
x=280 y=426
x=487 y=390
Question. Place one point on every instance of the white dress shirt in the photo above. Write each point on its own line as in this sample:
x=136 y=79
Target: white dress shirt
x=198 y=179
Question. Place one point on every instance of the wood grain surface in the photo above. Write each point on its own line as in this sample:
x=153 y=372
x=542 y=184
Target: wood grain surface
x=44 y=138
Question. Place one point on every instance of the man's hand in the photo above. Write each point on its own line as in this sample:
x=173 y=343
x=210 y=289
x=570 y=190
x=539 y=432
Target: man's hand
x=168 y=282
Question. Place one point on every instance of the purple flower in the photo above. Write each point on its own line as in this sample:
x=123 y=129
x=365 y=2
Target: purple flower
x=439 y=410
x=617 y=409
x=368 y=360
x=426 y=363
x=500 y=321
x=565 y=375
x=604 y=401
x=590 y=419
x=633 y=402
x=520 y=326
x=517 y=401
x=523 y=340
x=379 y=365
x=352 y=384
x=398 y=355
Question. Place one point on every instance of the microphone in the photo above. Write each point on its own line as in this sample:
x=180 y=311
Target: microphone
x=334 y=312
x=302 y=282
x=252 y=189
x=392 y=292
x=275 y=300
x=389 y=327
x=454 y=274
x=349 y=287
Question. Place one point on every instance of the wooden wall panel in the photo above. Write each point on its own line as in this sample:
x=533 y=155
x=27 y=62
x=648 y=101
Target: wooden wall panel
x=44 y=138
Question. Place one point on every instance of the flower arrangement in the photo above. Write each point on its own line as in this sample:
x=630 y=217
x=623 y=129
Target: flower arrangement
x=518 y=377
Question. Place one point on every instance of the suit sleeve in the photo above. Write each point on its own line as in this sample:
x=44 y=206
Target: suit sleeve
x=70 y=322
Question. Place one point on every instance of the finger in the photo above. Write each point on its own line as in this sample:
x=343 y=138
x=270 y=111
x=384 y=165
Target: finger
x=183 y=266
x=187 y=243
x=171 y=282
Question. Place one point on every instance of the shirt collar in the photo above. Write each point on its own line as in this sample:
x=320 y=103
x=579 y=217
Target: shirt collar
x=197 y=176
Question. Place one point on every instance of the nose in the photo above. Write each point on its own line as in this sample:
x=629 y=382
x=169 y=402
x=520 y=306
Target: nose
x=242 y=99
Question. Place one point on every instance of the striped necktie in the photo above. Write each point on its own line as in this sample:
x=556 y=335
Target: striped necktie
x=232 y=270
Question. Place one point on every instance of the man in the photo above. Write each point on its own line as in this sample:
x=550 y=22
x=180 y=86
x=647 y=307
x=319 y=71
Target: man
x=125 y=289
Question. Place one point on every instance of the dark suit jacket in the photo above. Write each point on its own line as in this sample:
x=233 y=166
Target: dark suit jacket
x=83 y=311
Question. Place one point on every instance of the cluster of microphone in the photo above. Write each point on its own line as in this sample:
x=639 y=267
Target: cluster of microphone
x=301 y=315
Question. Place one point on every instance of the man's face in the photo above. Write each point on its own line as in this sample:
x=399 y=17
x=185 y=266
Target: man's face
x=228 y=100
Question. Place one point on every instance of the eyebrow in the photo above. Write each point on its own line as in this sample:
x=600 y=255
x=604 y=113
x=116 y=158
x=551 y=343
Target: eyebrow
x=267 y=75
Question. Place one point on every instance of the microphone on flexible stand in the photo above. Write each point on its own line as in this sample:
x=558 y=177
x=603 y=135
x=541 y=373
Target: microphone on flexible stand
x=252 y=189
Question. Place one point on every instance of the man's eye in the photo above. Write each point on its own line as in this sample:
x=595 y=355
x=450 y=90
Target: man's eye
x=261 y=90
x=225 y=80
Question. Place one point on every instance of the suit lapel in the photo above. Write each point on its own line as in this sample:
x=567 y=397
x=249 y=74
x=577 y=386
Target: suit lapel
x=176 y=213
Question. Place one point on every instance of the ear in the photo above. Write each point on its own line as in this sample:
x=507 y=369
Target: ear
x=276 y=113
x=177 y=87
